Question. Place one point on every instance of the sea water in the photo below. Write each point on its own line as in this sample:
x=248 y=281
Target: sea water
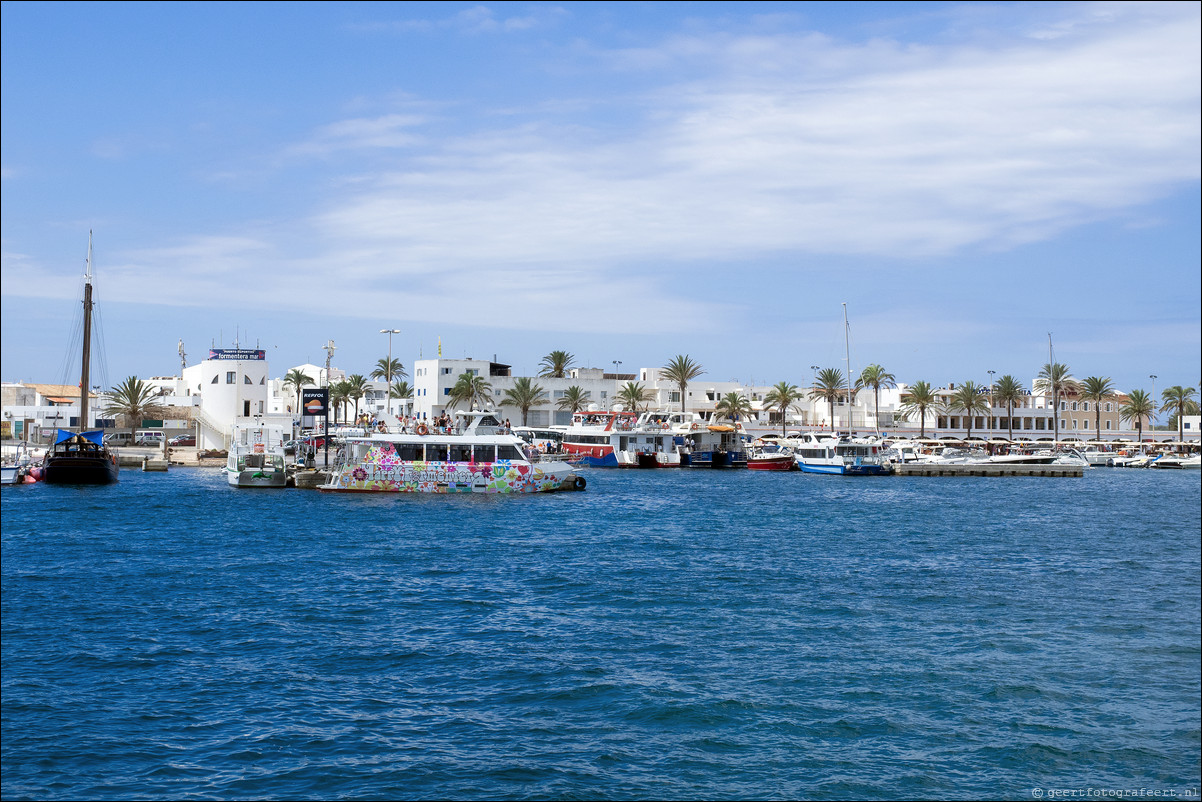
x=664 y=634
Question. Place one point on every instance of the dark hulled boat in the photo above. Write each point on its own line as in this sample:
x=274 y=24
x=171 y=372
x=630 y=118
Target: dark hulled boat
x=81 y=458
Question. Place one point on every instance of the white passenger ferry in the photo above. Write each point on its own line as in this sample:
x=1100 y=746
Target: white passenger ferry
x=480 y=457
x=839 y=455
x=598 y=437
x=256 y=457
x=653 y=439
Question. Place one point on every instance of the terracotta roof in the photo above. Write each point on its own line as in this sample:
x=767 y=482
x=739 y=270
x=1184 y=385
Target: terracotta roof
x=56 y=391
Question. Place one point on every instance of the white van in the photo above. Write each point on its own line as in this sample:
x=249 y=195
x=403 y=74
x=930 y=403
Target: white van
x=150 y=437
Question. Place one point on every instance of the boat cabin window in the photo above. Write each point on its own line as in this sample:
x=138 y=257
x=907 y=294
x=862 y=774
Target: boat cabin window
x=488 y=420
x=484 y=453
x=410 y=452
x=509 y=452
x=460 y=453
x=436 y=452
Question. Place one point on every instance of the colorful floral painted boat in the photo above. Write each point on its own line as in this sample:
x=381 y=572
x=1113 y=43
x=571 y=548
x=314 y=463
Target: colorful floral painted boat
x=478 y=457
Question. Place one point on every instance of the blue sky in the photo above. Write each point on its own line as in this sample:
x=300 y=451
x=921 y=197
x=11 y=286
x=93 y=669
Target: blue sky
x=624 y=181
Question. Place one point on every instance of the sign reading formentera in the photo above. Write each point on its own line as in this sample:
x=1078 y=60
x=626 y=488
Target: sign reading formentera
x=238 y=354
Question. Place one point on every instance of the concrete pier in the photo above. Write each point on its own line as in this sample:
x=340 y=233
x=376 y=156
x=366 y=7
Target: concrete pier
x=928 y=469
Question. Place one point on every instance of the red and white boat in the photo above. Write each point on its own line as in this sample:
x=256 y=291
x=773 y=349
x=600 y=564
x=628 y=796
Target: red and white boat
x=770 y=457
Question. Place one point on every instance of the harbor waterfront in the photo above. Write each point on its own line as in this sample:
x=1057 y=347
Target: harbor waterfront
x=667 y=634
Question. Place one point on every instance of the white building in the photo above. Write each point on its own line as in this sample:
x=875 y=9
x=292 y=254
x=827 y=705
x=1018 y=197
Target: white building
x=233 y=386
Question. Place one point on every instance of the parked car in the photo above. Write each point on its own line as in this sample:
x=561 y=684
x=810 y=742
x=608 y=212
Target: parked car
x=182 y=440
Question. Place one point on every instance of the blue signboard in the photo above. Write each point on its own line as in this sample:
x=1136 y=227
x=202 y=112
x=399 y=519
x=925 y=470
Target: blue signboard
x=239 y=354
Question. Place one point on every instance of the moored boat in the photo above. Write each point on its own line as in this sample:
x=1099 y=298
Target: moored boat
x=771 y=457
x=256 y=457
x=842 y=456
x=601 y=437
x=82 y=458
x=478 y=457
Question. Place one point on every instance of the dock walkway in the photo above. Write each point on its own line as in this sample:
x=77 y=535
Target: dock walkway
x=929 y=469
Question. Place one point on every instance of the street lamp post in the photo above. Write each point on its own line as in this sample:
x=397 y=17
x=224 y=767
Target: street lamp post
x=1153 y=427
x=814 y=381
x=991 y=372
x=388 y=370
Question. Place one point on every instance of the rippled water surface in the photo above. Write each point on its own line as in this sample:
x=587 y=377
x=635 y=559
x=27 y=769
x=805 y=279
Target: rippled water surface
x=665 y=634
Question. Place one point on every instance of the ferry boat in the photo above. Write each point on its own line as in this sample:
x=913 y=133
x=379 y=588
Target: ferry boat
x=256 y=457
x=842 y=455
x=599 y=437
x=717 y=445
x=480 y=457
x=607 y=439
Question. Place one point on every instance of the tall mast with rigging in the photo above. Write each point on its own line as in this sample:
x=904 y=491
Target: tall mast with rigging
x=85 y=379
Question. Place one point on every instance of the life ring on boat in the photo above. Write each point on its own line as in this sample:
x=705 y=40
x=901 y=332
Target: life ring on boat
x=579 y=483
x=422 y=429
x=694 y=427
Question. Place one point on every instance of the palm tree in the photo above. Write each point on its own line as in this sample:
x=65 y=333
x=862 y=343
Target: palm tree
x=357 y=387
x=1009 y=391
x=471 y=388
x=967 y=399
x=401 y=390
x=1054 y=379
x=1139 y=405
x=574 y=399
x=389 y=369
x=523 y=395
x=340 y=393
x=782 y=396
x=1179 y=400
x=1097 y=390
x=733 y=406
x=828 y=385
x=297 y=379
x=681 y=370
x=876 y=377
x=556 y=364
x=632 y=394
x=134 y=400
x=920 y=398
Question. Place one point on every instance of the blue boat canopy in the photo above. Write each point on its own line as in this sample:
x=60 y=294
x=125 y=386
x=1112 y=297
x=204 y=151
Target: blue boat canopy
x=96 y=436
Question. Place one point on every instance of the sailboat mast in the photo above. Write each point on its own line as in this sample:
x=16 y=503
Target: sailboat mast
x=84 y=379
x=847 y=364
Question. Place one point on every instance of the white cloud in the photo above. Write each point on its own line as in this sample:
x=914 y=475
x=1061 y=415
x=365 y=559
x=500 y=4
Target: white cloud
x=774 y=144
x=819 y=148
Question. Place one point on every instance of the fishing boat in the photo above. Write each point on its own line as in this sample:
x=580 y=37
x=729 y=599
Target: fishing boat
x=81 y=457
x=256 y=457
x=843 y=456
x=479 y=456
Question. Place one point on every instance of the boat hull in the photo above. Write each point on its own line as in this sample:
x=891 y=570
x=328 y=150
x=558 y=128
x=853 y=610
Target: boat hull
x=501 y=477
x=254 y=478
x=842 y=469
x=785 y=463
x=80 y=470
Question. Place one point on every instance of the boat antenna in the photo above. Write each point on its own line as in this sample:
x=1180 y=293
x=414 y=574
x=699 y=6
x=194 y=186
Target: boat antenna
x=847 y=363
x=183 y=358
